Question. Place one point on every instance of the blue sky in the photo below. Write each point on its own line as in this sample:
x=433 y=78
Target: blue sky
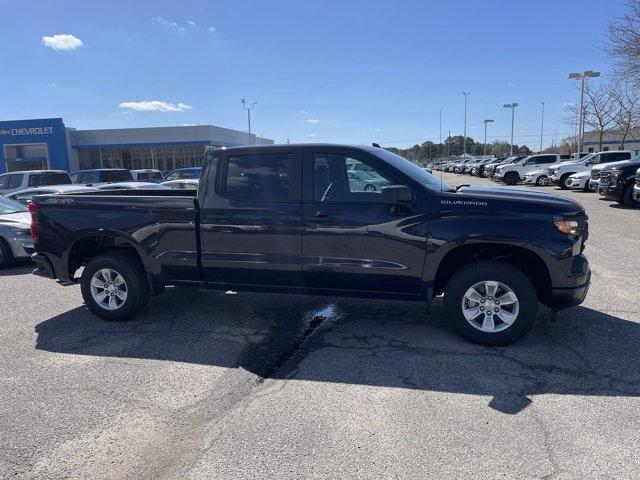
x=326 y=71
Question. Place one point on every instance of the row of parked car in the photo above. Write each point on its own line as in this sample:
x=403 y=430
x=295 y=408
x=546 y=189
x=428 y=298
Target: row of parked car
x=22 y=186
x=613 y=174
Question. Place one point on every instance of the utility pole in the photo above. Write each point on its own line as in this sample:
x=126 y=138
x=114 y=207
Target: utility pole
x=541 y=126
x=512 y=106
x=464 y=139
x=248 y=109
x=486 y=121
x=582 y=76
x=440 y=131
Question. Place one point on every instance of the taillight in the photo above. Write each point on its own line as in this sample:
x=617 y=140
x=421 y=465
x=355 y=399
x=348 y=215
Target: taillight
x=33 y=210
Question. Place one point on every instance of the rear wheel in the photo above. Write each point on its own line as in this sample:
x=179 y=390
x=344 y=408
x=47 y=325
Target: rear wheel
x=491 y=303
x=542 y=181
x=6 y=255
x=511 y=178
x=114 y=286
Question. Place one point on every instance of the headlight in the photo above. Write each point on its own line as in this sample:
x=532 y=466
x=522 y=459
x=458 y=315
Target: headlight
x=21 y=232
x=615 y=173
x=570 y=227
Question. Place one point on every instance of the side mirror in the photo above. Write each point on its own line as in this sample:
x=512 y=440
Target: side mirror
x=396 y=194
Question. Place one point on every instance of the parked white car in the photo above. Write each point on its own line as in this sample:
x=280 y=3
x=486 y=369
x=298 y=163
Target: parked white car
x=537 y=177
x=579 y=181
x=559 y=174
x=515 y=172
x=14 y=181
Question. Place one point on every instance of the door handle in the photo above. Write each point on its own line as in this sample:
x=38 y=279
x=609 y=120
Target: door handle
x=219 y=216
x=321 y=218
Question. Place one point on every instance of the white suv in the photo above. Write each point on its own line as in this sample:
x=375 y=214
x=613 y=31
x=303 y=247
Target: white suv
x=559 y=174
x=515 y=172
x=14 y=181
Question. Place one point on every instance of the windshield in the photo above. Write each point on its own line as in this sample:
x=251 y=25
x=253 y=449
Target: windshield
x=411 y=169
x=150 y=176
x=9 y=206
x=49 y=178
x=116 y=176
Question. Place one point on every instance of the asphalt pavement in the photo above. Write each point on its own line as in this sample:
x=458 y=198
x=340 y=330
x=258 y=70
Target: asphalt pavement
x=222 y=385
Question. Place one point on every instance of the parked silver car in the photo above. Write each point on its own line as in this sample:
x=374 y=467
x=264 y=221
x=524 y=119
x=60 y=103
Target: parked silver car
x=363 y=181
x=15 y=232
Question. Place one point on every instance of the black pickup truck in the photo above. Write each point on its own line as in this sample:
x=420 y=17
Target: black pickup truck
x=617 y=183
x=293 y=218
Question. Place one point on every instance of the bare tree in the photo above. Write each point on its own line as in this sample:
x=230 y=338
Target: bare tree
x=624 y=43
x=599 y=109
x=627 y=111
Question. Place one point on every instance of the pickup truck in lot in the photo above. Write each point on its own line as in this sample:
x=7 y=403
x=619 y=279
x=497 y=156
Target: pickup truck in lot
x=559 y=174
x=616 y=183
x=515 y=172
x=286 y=218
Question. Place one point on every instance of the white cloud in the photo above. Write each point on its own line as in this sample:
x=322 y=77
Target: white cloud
x=510 y=84
x=303 y=112
x=211 y=29
x=155 y=106
x=62 y=42
x=192 y=23
x=311 y=134
x=312 y=121
x=169 y=24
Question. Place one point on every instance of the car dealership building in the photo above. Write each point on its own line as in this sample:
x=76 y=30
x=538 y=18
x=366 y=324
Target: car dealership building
x=48 y=143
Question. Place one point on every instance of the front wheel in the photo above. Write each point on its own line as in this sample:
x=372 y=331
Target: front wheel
x=564 y=181
x=369 y=188
x=542 y=181
x=114 y=286
x=627 y=197
x=6 y=255
x=491 y=303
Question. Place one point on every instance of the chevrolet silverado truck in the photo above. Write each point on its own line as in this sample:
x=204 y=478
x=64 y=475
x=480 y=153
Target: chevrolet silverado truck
x=288 y=219
x=617 y=182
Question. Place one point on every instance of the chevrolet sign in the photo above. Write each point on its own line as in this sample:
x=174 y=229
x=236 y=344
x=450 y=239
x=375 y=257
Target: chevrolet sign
x=28 y=131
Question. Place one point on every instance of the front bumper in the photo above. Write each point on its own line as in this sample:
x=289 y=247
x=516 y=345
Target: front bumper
x=610 y=191
x=21 y=247
x=530 y=180
x=580 y=276
x=636 y=193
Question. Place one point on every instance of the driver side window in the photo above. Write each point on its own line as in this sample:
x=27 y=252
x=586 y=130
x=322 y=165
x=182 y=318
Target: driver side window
x=339 y=178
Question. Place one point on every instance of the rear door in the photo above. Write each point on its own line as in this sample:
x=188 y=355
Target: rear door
x=351 y=241
x=250 y=219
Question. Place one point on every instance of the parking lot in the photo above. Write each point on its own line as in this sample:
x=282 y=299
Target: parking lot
x=215 y=385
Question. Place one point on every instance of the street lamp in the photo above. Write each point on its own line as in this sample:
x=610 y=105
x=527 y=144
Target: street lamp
x=464 y=139
x=512 y=106
x=485 y=121
x=248 y=109
x=582 y=76
x=541 y=126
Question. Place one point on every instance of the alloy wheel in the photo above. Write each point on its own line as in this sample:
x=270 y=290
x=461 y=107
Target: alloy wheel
x=490 y=306
x=108 y=289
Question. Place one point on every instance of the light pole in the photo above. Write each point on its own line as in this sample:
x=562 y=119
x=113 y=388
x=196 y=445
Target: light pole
x=512 y=106
x=582 y=76
x=464 y=139
x=486 y=120
x=248 y=109
x=541 y=126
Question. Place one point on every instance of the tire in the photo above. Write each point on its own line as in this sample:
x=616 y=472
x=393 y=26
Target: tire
x=370 y=188
x=6 y=255
x=504 y=275
x=542 y=181
x=627 y=197
x=563 y=181
x=587 y=187
x=136 y=287
x=511 y=178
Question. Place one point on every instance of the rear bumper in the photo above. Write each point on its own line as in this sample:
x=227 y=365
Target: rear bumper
x=44 y=268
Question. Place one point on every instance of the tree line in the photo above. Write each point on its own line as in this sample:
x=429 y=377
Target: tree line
x=453 y=146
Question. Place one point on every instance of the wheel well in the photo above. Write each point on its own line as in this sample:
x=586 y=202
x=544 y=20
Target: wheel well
x=525 y=260
x=90 y=247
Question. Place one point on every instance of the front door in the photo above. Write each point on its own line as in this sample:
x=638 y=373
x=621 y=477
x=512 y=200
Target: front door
x=250 y=222
x=351 y=241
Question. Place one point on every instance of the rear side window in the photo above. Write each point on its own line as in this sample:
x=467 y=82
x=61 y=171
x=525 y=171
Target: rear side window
x=614 y=157
x=545 y=159
x=262 y=177
x=15 y=181
x=52 y=178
